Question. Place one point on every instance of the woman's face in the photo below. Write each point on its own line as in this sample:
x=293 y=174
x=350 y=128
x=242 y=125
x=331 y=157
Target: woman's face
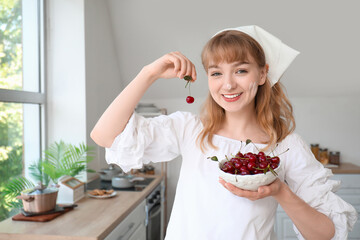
x=234 y=85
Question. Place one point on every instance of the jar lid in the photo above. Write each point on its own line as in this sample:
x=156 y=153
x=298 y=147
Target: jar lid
x=335 y=152
x=314 y=145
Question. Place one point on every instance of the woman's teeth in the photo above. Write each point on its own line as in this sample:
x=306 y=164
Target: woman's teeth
x=232 y=96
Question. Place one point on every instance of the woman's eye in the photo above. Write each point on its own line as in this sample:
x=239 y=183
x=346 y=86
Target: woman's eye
x=215 y=74
x=241 y=71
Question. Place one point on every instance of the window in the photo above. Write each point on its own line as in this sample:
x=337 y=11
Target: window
x=22 y=97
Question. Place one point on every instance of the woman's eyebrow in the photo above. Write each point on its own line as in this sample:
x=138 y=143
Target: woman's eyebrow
x=234 y=64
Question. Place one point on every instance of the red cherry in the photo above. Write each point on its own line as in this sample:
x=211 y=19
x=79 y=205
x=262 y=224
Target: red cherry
x=243 y=168
x=236 y=163
x=247 y=155
x=256 y=171
x=190 y=99
x=275 y=160
x=261 y=154
x=274 y=165
x=252 y=158
x=251 y=166
x=239 y=155
x=245 y=172
x=263 y=165
x=262 y=158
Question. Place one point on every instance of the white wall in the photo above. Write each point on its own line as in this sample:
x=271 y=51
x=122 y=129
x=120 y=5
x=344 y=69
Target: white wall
x=66 y=106
x=103 y=80
x=82 y=71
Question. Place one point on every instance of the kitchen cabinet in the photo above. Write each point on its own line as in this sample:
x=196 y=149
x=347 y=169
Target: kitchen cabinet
x=132 y=227
x=349 y=191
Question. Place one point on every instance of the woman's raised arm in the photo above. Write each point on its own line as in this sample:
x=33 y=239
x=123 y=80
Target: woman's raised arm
x=116 y=116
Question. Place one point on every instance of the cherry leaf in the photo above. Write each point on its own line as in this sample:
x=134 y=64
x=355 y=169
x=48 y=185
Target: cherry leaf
x=187 y=78
x=214 y=158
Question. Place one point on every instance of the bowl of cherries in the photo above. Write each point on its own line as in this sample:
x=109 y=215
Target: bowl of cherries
x=249 y=170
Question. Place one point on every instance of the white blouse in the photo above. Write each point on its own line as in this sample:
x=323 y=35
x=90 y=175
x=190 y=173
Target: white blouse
x=203 y=208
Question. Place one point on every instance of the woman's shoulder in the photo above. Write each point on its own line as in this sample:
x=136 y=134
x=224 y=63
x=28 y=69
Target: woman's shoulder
x=186 y=117
x=294 y=139
x=183 y=119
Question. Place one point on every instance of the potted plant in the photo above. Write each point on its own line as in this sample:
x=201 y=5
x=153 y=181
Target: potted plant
x=59 y=159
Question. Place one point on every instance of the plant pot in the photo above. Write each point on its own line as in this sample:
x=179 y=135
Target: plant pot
x=39 y=201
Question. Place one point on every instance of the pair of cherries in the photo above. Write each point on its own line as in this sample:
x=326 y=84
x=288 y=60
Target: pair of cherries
x=189 y=99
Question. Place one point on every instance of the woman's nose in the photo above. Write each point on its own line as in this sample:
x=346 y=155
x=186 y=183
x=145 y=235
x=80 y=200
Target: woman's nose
x=228 y=83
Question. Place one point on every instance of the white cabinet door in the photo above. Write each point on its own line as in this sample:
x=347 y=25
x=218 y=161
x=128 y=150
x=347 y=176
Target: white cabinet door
x=131 y=224
x=139 y=234
x=284 y=226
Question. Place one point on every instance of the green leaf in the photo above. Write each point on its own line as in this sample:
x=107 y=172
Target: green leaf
x=214 y=158
x=247 y=141
x=14 y=188
x=188 y=78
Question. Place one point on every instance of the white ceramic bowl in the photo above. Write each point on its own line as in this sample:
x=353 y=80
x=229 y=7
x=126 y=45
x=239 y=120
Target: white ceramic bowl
x=248 y=182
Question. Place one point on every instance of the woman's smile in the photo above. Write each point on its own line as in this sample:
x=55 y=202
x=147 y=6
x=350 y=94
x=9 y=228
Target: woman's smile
x=231 y=97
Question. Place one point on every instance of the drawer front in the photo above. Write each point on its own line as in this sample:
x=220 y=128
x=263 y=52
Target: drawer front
x=348 y=180
x=130 y=224
x=355 y=233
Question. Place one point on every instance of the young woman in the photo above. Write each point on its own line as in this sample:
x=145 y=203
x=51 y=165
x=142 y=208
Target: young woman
x=245 y=101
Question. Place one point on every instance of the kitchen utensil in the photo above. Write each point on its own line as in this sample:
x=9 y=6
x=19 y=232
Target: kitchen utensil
x=125 y=181
x=39 y=199
x=107 y=174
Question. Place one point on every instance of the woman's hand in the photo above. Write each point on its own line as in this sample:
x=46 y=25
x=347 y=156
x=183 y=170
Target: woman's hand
x=272 y=189
x=171 y=65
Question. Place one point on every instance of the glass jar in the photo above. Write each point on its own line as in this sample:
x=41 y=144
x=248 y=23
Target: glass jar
x=334 y=157
x=315 y=150
x=324 y=156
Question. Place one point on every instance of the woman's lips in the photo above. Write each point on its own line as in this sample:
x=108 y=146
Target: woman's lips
x=231 y=97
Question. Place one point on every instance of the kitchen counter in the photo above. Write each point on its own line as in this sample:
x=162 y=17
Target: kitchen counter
x=92 y=219
x=346 y=168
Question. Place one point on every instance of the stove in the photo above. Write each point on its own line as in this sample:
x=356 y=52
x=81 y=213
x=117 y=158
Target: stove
x=102 y=184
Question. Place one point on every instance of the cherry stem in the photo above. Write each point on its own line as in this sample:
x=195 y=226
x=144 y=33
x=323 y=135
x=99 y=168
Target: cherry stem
x=284 y=152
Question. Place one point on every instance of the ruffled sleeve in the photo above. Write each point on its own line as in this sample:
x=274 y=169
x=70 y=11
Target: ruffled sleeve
x=310 y=180
x=146 y=140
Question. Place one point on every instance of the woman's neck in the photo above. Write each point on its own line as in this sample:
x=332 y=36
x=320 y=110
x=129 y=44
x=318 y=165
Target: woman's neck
x=243 y=125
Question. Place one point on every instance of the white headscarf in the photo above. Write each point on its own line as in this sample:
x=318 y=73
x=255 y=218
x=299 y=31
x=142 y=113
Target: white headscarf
x=278 y=55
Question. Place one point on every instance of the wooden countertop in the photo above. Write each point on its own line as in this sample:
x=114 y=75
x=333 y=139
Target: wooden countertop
x=346 y=168
x=92 y=219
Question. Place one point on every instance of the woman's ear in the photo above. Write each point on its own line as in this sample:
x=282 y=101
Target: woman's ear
x=263 y=74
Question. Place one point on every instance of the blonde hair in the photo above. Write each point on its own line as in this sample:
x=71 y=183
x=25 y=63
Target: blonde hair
x=274 y=112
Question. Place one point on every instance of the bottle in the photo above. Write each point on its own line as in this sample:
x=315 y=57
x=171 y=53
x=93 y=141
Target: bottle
x=315 y=150
x=334 y=157
x=324 y=156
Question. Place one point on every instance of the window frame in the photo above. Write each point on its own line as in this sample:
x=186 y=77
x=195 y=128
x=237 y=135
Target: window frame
x=28 y=97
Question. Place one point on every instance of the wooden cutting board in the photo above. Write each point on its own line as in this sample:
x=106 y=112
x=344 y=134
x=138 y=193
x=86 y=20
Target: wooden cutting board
x=41 y=218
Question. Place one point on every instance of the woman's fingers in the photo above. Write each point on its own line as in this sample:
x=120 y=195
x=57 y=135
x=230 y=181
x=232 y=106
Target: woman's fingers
x=182 y=65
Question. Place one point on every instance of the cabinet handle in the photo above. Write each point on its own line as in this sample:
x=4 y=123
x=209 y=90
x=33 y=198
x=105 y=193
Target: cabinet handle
x=131 y=225
x=146 y=215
